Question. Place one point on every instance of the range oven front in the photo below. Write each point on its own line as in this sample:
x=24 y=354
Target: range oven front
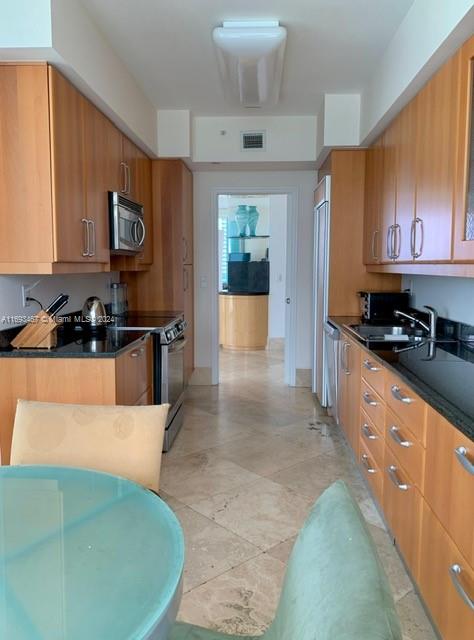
x=169 y=384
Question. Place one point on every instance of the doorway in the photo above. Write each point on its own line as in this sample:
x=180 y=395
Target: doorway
x=255 y=270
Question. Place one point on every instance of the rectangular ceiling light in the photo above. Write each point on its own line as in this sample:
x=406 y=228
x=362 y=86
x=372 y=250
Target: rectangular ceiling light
x=250 y=56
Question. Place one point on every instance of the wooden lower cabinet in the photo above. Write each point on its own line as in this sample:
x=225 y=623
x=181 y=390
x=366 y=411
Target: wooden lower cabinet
x=406 y=448
x=371 y=470
x=121 y=380
x=372 y=404
x=243 y=322
x=406 y=405
x=402 y=506
x=448 y=604
x=349 y=390
x=449 y=481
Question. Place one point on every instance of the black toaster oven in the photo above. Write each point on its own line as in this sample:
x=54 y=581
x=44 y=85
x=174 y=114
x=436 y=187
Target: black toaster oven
x=378 y=306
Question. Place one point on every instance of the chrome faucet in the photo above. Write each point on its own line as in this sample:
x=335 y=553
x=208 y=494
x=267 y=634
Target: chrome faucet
x=430 y=329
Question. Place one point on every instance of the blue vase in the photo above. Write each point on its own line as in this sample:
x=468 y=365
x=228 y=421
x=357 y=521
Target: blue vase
x=253 y=216
x=242 y=218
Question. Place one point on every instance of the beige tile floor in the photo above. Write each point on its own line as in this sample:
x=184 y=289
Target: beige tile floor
x=250 y=460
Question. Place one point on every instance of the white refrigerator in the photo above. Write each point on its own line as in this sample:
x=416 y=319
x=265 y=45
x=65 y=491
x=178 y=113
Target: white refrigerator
x=325 y=335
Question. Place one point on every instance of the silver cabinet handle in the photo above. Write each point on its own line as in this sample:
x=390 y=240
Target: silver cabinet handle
x=368 y=433
x=419 y=253
x=366 y=463
x=345 y=362
x=124 y=177
x=390 y=242
x=461 y=455
x=375 y=234
x=398 y=395
x=136 y=353
x=455 y=571
x=413 y=238
x=368 y=399
x=392 y=472
x=395 y=435
x=371 y=367
x=129 y=179
x=397 y=241
x=86 y=237
x=185 y=279
x=141 y=226
x=185 y=250
x=91 y=225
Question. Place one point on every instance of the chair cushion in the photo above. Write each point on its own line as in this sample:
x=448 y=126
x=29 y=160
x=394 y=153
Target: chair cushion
x=125 y=441
x=335 y=587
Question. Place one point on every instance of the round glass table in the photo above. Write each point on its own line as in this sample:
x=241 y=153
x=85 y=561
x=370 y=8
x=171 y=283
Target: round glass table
x=85 y=554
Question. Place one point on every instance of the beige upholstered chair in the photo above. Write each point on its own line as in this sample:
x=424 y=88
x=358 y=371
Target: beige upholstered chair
x=125 y=441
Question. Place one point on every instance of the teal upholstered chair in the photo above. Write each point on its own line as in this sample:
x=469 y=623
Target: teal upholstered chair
x=335 y=587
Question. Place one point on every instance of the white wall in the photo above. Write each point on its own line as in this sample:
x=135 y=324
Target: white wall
x=78 y=286
x=453 y=298
x=277 y=306
x=288 y=138
x=174 y=133
x=205 y=185
x=25 y=23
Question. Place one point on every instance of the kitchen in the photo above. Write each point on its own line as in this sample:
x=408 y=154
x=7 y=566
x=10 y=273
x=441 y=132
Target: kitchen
x=107 y=208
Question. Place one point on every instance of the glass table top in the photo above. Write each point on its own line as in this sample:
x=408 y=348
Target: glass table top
x=85 y=554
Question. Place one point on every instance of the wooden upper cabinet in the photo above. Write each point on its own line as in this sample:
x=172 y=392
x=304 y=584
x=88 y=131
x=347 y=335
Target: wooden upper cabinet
x=436 y=143
x=144 y=197
x=463 y=250
x=187 y=203
x=25 y=168
x=103 y=147
x=373 y=203
x=387 y=217
x=405 y=169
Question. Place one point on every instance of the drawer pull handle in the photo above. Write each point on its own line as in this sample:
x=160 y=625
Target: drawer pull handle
x=368 y=399
x=371 y=367
x=461 y=455
x=136 y=353
x=455 y=571
x=392 y=472
x=395 y=435
x=368 y=433
x=366 y=463
x=398 y=395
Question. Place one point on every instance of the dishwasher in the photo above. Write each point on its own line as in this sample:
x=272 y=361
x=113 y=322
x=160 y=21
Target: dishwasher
x=331 y=359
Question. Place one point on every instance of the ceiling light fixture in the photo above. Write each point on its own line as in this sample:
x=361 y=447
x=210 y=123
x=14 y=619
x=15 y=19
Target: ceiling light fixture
x=250 y=56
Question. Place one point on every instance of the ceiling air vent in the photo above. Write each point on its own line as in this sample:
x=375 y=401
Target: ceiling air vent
x=252 y=140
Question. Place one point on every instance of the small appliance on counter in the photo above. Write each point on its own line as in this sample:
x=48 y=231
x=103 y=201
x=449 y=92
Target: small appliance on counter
x=118 y=302
x=379 y=306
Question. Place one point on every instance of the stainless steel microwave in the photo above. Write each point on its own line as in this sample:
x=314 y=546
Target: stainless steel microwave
x=127 y=227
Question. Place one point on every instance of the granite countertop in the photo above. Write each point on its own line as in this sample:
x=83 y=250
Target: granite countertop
x=442 y=377
x=108 y=344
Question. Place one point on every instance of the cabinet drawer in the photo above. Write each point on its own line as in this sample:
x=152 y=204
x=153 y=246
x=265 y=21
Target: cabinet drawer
x=373 y=405
x=446 y=581
x=133 y=373
x=372 y=472
x=406 y=447
x=402 y=505
x=406 y=405
x=372 y=438
x=373 y=372
x=449 y=480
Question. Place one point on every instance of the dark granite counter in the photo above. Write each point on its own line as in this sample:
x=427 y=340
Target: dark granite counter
x=108 y=344
x=442 y=374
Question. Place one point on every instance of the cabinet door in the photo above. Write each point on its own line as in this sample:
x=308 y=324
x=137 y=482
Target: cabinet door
x=388 y=232
x=349 y=392
x=25 y=165
x=464 y=185
x=130 y=152
x=188 y=289
x=133 y=373
x=402 y=505
x=343 y=373
x=103 y=147
x=405 y=185
x=449 y=481
x=373 y=203
x=444 y=590
x=187 y=203
x=143 y=179
x=69 y=169
x=438 y=106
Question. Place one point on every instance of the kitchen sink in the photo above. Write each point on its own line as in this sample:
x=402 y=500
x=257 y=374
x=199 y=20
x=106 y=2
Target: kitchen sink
x=386 y=333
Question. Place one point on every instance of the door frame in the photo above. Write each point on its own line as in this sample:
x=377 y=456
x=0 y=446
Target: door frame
x=293 y=199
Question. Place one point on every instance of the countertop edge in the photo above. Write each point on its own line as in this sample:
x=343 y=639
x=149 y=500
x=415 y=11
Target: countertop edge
x=450 y=412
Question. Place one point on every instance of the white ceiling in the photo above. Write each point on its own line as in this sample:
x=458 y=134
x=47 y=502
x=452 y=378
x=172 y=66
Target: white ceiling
x=333 y=47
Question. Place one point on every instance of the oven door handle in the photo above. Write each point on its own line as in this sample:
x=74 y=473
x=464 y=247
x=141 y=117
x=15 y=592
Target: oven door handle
x=177 y=345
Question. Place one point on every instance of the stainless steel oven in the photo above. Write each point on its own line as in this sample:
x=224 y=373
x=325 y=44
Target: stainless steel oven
x=127 y=227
